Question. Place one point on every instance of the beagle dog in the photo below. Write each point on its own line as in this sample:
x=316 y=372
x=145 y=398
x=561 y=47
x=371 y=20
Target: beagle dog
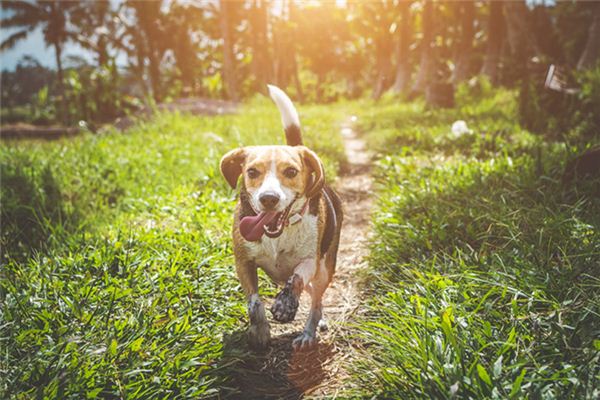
x=287 y=222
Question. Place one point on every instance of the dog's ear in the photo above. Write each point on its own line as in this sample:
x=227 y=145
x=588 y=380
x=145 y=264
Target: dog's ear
x=231 y=165
x=316 y=166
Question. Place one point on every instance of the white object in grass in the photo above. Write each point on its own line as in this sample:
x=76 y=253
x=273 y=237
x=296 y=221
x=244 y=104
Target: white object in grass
x=460 y=128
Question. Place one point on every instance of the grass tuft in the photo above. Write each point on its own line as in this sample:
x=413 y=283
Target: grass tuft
x=483 y=278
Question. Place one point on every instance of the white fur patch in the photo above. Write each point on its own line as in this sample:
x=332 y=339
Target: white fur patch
x=279 y=257
x=271 y=183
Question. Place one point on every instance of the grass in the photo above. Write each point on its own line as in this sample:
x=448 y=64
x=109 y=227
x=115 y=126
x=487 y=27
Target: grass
x=117 y=276
x=483 y=278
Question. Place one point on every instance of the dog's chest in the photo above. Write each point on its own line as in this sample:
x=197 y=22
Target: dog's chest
x=279 y=256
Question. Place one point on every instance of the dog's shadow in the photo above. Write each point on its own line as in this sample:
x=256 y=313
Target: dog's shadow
x=277 y=372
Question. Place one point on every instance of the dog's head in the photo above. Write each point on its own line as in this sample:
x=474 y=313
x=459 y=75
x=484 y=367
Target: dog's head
x=273 y=176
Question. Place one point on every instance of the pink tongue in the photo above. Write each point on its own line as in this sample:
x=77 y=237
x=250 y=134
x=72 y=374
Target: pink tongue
x=252 y=228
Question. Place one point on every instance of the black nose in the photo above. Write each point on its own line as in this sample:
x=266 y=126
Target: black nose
x=269 y=199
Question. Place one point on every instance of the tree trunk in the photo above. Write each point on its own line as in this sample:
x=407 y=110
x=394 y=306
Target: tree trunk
x=154 y=69
x=62 y=112
x=427 y=64
x=383 y=53
x=384 y=64
x=294 y=56
x=591 y=53
x=402 y=49
x=229 y=78
x=495 y=40
x=520 y=39
x=464 y=53
x=261 y=66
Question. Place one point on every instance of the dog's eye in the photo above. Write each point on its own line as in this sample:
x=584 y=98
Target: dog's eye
x=290 y=172
x=252 y=173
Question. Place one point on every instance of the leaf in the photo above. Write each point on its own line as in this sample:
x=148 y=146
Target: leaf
x=483 y=374
x=136 y=345
x=597 y=344
x=516 y=387
x=92 y=394
x=112 y=348
x=497 y=369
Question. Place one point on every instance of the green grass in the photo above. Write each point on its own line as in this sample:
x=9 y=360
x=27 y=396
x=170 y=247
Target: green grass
x=483 y=279
x=117 y=276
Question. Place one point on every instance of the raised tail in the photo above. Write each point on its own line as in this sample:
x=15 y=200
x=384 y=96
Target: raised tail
x=289 y=115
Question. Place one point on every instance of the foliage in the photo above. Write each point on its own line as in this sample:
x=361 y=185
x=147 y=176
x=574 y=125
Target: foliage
x=483 y=278
x=552 y=113
x=182 y=49
x=117 y=276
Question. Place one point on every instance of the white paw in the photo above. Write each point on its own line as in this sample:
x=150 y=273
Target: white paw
x=323 y=325
x=259 y=336
x=305 y=341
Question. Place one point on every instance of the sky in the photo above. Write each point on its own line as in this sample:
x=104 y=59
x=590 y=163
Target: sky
x=34 y=45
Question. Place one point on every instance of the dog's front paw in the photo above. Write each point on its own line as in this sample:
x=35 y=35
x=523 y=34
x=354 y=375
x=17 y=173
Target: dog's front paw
x=286 y=303
x=259 y=336
x=285 y=306
x=305 y=341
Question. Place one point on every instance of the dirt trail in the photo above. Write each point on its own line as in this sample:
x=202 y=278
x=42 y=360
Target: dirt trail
x=321 y=372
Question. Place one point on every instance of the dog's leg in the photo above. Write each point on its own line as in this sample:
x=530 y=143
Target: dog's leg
x=308 y=337
x=259 y=331
x=286 y=303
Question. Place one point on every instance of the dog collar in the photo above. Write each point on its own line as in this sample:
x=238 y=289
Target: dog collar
x=297 y=217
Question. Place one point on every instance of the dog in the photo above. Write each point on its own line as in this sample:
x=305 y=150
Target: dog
x=287 y=222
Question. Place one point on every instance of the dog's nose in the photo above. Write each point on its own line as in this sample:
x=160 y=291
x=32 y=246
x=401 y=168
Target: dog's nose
x=269 y=199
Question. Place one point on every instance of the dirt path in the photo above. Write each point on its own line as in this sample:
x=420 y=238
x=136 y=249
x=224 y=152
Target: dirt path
x=322 y=372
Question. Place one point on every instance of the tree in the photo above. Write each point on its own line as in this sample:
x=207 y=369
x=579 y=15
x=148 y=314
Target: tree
x=226 y=18
x=379 y=17
x=591 y=53
x=428 y=59
x=520 y=38
x=149 y=40
x=402 y=48
x=495 y=38
x=182 y=23
x=261 y=63
x=52 y=17
x=464 y=48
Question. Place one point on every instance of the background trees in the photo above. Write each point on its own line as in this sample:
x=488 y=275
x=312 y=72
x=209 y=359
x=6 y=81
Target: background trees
x=320 y=51
x=51 y=16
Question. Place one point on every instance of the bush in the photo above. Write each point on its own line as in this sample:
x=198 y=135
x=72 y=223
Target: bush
x=553 y=114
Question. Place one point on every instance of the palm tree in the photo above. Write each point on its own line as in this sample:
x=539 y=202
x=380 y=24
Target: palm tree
x=51 y=16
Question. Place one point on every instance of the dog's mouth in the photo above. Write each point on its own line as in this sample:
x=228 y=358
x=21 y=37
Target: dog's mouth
x=270 y=223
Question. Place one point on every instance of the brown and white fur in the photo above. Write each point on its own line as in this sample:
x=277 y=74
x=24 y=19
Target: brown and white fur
x=303 y=257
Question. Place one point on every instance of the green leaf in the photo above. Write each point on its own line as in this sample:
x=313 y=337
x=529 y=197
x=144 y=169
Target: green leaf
x=136 y=345
x=483 y=374
x=516 y=387
x=112 y=349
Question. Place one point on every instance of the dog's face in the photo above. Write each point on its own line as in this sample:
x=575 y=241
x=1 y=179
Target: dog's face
x=274 y=175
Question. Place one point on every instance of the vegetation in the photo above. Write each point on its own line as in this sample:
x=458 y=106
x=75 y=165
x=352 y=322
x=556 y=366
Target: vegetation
x=156 y=51
x=117 y=277
x=483 y=273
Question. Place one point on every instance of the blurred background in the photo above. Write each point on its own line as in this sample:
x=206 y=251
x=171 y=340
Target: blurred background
x=68 y=61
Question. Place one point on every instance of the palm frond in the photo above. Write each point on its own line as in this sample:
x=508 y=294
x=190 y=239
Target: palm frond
x=19 y=6
x=13 y=39
x=23 y=14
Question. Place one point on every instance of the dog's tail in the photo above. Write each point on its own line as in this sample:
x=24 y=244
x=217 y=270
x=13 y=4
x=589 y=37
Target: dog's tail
x=289 y=116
